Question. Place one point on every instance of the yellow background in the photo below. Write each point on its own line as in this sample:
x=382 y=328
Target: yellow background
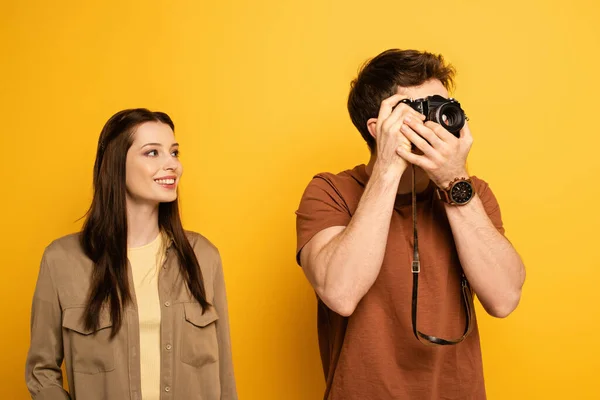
x=257 y=90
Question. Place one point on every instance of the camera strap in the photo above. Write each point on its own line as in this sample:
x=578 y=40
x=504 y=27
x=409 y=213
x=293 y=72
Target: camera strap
x=416 y=269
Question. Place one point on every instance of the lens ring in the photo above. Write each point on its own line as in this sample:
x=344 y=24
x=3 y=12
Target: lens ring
x=454 y=117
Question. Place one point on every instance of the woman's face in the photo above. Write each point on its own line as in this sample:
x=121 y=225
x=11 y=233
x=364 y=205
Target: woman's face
x=153 y=168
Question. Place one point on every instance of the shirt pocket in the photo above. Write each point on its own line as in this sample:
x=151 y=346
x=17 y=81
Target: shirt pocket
x=92 y=350
x=199 y=344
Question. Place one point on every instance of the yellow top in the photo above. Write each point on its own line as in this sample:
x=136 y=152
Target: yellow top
x=145 y=264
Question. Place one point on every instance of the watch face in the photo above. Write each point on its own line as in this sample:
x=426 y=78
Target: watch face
x=461 y=192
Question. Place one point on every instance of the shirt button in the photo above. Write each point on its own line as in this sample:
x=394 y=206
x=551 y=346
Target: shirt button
x=168 y=347
x=167 y=303
x=167 y=389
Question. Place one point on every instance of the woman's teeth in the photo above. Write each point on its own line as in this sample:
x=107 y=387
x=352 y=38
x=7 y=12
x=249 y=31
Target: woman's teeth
x=165 y=181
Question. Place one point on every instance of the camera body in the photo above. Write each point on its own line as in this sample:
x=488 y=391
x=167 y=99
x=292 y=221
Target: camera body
x=436 y=108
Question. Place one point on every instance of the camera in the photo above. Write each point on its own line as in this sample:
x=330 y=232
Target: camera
x=446 y=112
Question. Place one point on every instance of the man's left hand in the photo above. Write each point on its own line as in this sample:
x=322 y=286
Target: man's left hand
x=444 y=158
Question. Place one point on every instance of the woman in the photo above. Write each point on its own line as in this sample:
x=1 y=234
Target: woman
x=134 y=304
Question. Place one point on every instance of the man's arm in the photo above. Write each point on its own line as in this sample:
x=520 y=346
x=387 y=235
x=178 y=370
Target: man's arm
x=342 y=263
x=491 y=264
x=489 y=261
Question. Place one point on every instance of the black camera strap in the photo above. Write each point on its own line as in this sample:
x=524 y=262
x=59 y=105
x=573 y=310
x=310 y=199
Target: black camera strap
x=416 y=269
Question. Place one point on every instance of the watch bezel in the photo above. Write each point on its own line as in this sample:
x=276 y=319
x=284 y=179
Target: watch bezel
x=445 y=194
x=454 y=185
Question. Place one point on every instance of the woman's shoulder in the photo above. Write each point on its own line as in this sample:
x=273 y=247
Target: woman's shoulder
x=65 y=259
x=68 y=245
x=202 y=245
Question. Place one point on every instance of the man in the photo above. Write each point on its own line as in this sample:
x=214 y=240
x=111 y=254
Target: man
x=356 y=246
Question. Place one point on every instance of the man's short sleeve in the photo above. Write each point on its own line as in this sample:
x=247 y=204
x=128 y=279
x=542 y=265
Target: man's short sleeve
x=321 y=207
x=490 y=204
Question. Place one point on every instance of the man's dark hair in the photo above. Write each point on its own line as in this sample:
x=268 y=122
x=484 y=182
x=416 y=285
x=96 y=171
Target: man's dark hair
x=380 y=77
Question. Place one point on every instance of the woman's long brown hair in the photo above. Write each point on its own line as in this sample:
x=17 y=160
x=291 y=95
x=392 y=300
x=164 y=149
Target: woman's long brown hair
x=104 y=233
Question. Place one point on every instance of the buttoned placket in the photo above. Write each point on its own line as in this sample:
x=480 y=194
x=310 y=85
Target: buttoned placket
x=166 y=330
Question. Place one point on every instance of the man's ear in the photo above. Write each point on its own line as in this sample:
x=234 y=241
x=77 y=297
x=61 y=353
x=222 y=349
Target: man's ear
x=372 y=127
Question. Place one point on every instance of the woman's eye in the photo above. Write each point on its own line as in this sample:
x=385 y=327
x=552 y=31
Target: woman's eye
x=175 y=153
x=152 y=153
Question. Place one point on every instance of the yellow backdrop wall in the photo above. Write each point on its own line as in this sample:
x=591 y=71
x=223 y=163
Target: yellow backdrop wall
x=257 y=91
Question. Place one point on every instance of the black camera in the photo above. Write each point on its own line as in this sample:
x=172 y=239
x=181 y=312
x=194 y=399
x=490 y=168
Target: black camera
x=446 y=112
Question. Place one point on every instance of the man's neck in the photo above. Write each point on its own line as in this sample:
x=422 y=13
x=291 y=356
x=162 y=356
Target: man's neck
x=405 y=185
x=142 y=223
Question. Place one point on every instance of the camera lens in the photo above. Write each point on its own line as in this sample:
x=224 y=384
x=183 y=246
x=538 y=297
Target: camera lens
x=451 y=117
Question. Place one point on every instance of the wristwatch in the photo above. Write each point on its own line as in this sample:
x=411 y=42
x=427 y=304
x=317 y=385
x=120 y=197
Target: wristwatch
x=458 y=193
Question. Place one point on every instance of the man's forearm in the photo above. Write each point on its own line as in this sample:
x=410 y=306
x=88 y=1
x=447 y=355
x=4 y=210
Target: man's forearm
x=492 y=265
x=352 y=260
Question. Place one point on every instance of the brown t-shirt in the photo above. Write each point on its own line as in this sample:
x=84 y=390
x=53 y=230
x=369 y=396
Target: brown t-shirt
x=373 y=354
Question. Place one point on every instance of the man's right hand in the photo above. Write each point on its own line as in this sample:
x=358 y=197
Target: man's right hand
x=343 y=262
x=388 y=136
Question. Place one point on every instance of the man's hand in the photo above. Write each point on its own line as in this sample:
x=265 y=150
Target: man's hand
x=388 y=134
x=444 y=157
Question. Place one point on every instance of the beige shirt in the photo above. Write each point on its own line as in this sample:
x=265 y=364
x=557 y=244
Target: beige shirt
x=145 y=264
x=195 y=359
